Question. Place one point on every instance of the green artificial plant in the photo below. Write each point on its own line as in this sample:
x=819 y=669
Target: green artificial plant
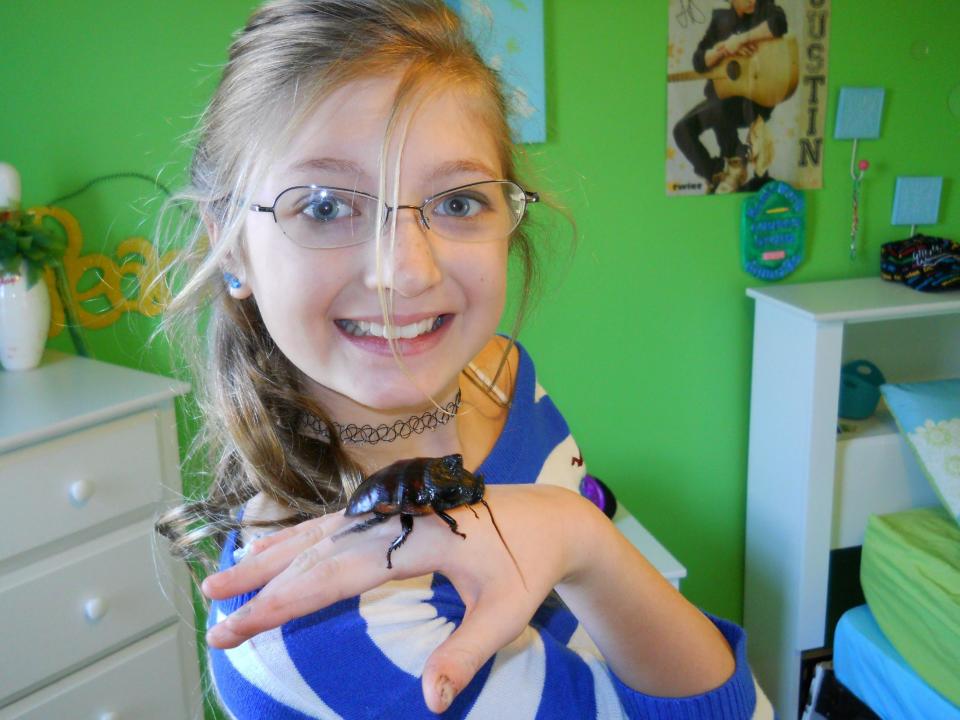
x=25 y=244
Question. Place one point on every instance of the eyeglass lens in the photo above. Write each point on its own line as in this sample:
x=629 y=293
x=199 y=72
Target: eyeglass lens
x=318 y=216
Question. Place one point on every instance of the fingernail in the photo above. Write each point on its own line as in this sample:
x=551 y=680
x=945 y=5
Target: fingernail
x=446 y=691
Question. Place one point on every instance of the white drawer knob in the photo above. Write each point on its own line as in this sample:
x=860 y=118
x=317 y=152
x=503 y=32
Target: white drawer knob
x=110 y=716
x=81 y=491
x=94 y=609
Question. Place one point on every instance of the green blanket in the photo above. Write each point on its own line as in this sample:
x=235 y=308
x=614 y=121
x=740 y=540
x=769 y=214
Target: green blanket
x=910 y=575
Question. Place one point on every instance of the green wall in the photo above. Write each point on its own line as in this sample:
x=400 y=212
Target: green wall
x=643 y=337
x=647 y=343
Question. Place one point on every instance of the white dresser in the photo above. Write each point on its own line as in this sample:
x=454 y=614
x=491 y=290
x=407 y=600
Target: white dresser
x=95 y=618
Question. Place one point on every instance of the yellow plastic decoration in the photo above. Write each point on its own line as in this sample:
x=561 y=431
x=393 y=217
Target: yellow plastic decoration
x=136 y=259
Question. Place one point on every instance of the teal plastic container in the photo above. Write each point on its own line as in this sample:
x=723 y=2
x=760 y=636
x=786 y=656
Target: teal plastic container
x=860 y=382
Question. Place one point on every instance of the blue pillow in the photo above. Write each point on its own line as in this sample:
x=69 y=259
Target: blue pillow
x=928 y=415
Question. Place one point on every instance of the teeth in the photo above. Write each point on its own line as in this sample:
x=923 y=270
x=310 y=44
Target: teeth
x=361 y=328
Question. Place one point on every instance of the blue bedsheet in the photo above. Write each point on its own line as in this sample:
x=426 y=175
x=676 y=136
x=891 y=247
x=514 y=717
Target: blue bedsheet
x=866 y=662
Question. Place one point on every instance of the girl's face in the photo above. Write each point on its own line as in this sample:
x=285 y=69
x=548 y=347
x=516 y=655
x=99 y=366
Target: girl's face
x=318 y=303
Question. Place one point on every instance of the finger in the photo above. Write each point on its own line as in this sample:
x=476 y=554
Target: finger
x=486 y=629
x=314 y=580
x=271 y=555
x=267 y=541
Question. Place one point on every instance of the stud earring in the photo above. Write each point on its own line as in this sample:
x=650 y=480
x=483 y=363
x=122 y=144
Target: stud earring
x=233 y=281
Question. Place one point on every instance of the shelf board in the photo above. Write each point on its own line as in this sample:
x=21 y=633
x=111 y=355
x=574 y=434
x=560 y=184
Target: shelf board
x=858 y=300
x=879 y=424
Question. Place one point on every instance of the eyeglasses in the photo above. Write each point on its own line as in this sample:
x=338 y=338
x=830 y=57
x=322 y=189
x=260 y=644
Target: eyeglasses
x=317 y=216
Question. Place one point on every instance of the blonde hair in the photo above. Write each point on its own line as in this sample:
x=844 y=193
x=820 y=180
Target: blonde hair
x=251 y=399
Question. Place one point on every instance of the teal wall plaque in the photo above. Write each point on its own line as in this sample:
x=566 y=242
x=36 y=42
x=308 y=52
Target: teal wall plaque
x=772 y=231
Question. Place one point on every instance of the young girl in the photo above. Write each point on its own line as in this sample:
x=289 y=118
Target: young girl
x=356 y=181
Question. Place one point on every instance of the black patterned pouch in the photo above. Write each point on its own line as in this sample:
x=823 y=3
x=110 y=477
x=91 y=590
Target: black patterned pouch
x=924 y=263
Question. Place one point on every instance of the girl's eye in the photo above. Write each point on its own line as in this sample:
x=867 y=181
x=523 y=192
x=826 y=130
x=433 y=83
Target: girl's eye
x=460 y=206
x=326 y=208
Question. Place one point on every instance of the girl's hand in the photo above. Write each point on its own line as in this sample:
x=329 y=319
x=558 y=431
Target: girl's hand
x=303 y=569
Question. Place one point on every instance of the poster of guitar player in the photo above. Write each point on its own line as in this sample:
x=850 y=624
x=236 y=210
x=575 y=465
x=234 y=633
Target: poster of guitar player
x=746 y=94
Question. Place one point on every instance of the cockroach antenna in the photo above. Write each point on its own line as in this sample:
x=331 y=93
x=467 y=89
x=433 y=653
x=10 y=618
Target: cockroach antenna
x=507 y=547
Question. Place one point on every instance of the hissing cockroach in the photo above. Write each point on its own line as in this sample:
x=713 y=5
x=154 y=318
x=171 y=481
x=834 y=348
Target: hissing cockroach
x=419 y=486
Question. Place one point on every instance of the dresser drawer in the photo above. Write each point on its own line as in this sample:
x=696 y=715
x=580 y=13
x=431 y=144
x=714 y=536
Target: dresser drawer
x=59 y=612
x=141 y=682
x=59 y=487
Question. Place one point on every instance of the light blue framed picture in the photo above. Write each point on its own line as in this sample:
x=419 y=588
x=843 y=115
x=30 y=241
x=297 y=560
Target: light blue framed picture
x=916 y=201
x=509 y=35
x=859 y=111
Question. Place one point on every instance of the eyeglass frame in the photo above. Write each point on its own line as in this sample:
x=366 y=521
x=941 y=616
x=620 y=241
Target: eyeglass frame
x=529 y=198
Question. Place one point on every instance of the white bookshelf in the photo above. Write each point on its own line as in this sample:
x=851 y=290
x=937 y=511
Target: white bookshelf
x=810 y=488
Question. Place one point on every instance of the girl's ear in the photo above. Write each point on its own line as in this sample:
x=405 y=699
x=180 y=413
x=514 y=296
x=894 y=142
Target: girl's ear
x=213 y=234
x=238 y=288
x=234 y=271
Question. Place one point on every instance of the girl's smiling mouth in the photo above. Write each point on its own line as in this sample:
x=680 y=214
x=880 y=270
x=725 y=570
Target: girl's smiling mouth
x=413 y=335
x=363 y=328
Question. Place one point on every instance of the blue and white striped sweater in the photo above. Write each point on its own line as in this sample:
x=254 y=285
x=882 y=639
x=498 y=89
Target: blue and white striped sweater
x=362 y=658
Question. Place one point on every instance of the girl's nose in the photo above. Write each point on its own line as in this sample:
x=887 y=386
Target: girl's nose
x=409 y=268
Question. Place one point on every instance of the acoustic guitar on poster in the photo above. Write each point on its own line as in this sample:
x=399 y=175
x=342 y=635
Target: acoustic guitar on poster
x=767 y=77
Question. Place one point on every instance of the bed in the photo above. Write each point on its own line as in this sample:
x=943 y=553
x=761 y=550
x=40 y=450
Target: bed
x=871 y=668
x=900 y=652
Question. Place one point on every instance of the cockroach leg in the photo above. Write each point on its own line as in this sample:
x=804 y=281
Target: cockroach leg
x=406 y=525
x=451 y=522
x=371 y=521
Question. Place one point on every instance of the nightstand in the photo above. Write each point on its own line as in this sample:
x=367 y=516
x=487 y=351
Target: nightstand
x=91 y=606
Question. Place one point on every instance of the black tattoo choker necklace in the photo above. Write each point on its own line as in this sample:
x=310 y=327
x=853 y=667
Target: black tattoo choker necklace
x=371 y=435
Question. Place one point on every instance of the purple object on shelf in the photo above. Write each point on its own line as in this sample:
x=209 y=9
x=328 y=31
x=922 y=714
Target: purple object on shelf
x=596 y=491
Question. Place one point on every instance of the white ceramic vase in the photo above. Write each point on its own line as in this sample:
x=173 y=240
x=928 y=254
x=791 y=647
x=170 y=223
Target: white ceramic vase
x=24 y=321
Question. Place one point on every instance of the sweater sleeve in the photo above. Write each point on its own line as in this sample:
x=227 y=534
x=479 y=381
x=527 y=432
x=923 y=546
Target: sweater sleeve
x=710 y=38
x=736 y=698
x=768 y=11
